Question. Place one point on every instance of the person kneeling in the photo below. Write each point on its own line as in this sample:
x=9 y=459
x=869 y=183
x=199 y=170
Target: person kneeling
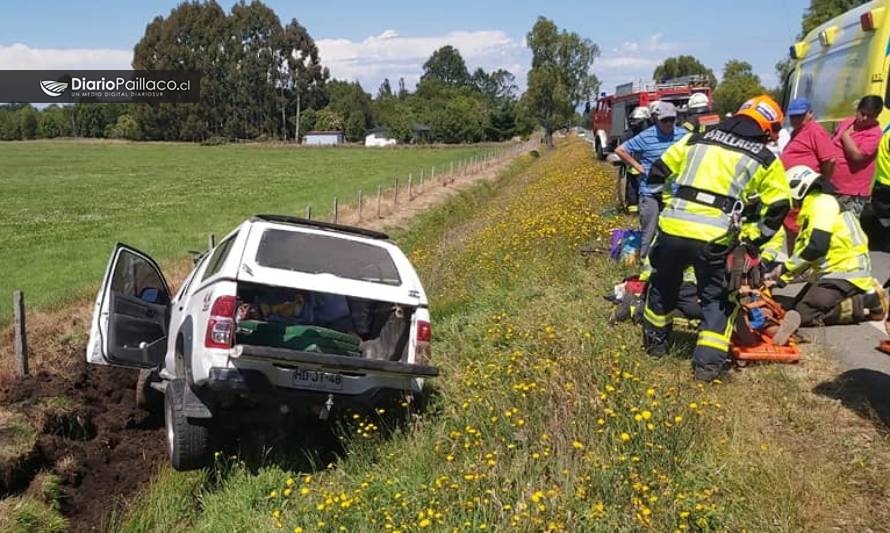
x=833 y=247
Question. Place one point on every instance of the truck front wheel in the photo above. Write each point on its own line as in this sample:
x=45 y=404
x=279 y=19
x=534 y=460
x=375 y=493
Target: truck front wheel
x=188 y=439
x=600 y=153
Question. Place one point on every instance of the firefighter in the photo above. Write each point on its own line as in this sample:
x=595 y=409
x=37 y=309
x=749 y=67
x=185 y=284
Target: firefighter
x=832 y=245
x=708 y=178
x=698 y=108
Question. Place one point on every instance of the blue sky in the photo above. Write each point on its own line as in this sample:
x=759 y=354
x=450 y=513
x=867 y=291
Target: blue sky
x=371 y=40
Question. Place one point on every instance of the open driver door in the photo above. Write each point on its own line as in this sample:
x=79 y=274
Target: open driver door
x=131 y=314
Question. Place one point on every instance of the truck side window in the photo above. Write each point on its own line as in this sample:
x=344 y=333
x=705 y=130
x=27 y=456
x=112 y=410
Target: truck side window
x=219 y=257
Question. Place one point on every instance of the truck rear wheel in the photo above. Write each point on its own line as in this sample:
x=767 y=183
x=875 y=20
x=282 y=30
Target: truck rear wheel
x=188 y=439
x=600 y=153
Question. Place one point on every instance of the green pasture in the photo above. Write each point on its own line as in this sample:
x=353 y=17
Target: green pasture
x=67 y=203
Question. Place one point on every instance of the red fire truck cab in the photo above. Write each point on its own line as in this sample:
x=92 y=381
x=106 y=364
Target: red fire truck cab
x=611 y=111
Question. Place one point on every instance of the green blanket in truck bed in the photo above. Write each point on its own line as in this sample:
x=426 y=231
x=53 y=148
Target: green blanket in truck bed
x=303 y=338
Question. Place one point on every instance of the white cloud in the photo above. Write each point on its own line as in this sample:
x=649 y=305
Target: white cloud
x=21 y=57
x=390 y=55
x=634 y=60
x=387 y=55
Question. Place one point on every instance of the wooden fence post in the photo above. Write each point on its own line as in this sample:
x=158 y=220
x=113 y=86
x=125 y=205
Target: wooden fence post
x=379 y=190
x=433 y=174
x=21 y=338
x=211 y=241
x=420 y=186
x=309 y=212
x=336 y=207
x=410 y=195
x=395 y=194
x=359 y=204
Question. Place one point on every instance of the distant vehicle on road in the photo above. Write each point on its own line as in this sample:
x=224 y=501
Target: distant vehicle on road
x=284 y=315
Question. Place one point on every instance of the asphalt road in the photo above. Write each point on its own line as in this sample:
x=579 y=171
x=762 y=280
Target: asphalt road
x=864 y=384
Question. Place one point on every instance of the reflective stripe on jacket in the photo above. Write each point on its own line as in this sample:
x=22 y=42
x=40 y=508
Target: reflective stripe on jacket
x=724 y=164
x=847 y=256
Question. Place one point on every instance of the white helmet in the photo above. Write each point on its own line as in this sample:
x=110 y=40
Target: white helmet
x=653 y=108
x=801 y=178
x=640 y=113
x=698 y=102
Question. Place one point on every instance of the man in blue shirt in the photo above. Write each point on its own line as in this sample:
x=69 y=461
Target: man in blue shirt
x=641 y=152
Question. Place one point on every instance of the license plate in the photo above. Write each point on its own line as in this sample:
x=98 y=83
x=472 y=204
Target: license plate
x=317 y=379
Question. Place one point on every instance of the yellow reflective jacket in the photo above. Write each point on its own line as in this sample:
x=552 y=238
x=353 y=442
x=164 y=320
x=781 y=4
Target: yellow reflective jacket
x=831 y=243
x=775 y=246
x=882 y=162
x=708 y=173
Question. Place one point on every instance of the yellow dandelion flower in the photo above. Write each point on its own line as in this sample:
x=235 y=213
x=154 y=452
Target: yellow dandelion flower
x=577 y=445
x=625 y=437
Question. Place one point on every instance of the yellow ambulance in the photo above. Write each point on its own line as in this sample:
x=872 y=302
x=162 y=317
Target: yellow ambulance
x=843 y=60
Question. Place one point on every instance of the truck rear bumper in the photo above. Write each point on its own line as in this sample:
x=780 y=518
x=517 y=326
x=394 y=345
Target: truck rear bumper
x=334 y=363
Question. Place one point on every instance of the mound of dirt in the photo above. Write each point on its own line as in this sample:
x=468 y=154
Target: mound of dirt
x=90 y=433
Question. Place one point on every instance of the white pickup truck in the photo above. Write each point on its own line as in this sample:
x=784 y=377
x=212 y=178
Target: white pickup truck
x=284 y=315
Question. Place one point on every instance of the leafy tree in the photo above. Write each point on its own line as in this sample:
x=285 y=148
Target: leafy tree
x=355 y=127
x=821 y=11
x=738 y=85
x=399 y=127
x=461 y=121
x=499 y=86
x=9 y=124
x=125 y=128
x=27 y=117
x=446 y=66
x=403 y=92
x=385 y=90
x=560 y=78
x=328 y=120
x=348 y=98
x=257 y=74
x=683 y=65
x=54 y=121
x=501 y=124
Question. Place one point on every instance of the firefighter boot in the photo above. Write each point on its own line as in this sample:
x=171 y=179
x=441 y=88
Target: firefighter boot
x=655 y=341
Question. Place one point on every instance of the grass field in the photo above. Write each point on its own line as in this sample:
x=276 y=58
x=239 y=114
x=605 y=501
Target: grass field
x=65 y=204
x=544 y=419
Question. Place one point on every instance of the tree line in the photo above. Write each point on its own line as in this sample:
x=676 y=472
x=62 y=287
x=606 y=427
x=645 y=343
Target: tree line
x=264 y=80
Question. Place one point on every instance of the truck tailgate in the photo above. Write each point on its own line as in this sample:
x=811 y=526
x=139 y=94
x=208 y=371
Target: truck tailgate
x=332 y=362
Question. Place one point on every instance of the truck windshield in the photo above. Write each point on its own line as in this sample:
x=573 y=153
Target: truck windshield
x=320 y=254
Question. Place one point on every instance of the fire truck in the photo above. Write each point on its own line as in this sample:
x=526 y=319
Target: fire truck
x=611 y=111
